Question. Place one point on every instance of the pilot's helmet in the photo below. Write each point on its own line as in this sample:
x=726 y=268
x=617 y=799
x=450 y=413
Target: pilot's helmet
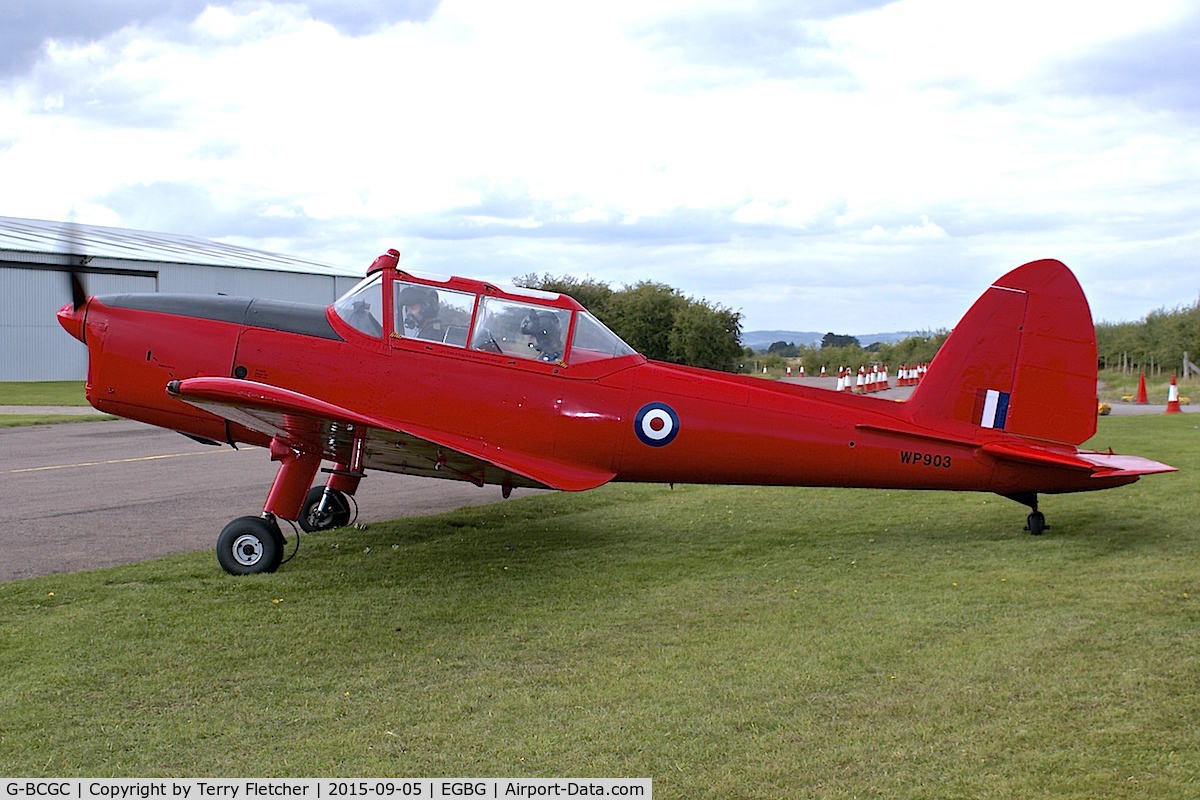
x=424 y=295
x=543 y=327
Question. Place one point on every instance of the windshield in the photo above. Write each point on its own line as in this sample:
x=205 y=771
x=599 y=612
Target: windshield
x=593 y=341
x=362 y=307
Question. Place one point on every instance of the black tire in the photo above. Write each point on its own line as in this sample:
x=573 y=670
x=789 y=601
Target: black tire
x=1036 y=523
x=280 y=544
x=335 y=515
x=250 y=545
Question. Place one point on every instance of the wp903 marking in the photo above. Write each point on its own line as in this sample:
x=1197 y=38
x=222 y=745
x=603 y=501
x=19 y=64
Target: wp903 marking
x=924 y=459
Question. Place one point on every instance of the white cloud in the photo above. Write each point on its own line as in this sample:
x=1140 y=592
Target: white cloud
x=908 y=233
x=939 y=42
x=921 y=143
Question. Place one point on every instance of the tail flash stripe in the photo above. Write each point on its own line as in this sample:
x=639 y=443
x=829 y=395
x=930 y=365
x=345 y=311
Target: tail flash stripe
x=995 y=409
x=1001 y=410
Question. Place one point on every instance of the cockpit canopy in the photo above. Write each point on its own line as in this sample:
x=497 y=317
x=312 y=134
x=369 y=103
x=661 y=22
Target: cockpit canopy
x=525 y=324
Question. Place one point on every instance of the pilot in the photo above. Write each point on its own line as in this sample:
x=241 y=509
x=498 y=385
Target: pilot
x=420 y=311
x=543 y=335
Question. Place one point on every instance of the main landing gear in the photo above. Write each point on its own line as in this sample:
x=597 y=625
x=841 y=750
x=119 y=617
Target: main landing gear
x=1035 y=523
x=249 y=545
x=324 y=508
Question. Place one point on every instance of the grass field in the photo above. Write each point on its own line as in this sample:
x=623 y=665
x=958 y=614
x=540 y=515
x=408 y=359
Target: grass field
x=1115 y=385
x=70 y=393
x=14 y=420
x=727 y=642
x=42 y=393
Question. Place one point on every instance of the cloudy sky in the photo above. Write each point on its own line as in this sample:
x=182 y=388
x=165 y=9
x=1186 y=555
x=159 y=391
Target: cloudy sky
x=844 y=165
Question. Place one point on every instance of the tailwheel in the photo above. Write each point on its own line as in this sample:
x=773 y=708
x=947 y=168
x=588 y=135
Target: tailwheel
x=1035 y=523
x=324 y=509
x=249 y=545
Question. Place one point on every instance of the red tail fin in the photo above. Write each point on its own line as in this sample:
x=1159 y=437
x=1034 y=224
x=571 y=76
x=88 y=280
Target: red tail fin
x=1023 y=359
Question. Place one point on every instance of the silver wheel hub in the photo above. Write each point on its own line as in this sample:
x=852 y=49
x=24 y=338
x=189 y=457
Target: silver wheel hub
x=247 y=550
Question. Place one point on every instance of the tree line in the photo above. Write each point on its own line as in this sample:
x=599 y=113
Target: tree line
x=657 y=320
x=663 y=324
x=838 y=350
x=1159 y=339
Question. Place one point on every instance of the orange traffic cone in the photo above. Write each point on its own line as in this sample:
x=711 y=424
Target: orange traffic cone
x=801 y=370
x=822 y=370
x=1173 y=398
x=1141 y=396
x=789 y=372
x=861 y=386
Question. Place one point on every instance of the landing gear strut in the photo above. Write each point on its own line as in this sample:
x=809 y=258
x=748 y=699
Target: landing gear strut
x=324 y=508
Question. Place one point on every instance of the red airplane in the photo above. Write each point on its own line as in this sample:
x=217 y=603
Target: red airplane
x=465 y=380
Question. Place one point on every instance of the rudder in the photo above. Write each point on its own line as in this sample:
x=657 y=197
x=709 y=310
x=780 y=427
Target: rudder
x=1022 y=360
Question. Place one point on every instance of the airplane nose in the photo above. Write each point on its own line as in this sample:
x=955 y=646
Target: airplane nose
x=71 y=318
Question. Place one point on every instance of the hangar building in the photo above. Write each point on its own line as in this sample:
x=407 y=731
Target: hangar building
x=36 y=258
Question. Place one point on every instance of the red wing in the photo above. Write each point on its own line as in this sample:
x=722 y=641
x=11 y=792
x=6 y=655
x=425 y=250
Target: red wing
x=314 y=426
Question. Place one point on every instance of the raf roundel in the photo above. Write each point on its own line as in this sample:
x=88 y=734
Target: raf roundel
x=656 y=424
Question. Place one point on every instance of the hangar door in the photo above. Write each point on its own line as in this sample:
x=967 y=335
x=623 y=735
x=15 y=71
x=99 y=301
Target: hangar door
x=33 y=346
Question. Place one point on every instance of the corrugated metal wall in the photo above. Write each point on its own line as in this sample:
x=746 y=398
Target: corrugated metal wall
x=34 y=347
x=292 y=286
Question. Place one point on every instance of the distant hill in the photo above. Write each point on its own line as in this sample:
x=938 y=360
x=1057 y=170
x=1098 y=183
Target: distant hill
x=761 y=340
x=889 y=338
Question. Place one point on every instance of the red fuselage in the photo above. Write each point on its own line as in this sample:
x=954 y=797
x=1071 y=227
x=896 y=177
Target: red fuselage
x=719 y=428
x=463 y=380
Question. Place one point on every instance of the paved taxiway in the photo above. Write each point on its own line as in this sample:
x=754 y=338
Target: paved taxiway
x=93 y=494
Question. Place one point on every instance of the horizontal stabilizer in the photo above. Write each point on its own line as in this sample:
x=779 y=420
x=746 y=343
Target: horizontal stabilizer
x=1099 y=464
x=1111 y=464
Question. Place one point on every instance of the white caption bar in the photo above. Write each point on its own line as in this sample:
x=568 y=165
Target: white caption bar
x=321 y=789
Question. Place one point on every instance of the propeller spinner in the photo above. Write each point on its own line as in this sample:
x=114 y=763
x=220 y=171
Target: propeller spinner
x=71 y=316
